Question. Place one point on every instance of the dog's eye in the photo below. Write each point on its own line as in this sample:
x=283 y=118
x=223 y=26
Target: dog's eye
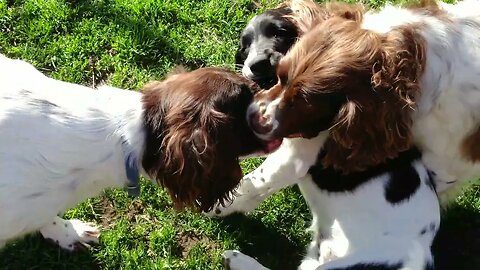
x=245 y=42
x=279 y=32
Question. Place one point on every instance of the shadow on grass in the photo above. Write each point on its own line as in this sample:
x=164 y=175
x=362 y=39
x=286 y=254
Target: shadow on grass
x=269 y=246
x=457 y=245
x=279 y=241
x=34 y=252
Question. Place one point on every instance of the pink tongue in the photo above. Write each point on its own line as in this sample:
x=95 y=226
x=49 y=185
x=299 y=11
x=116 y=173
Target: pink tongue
x=273 y=145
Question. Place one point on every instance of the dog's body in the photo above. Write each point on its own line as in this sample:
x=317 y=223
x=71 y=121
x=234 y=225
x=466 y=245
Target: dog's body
x=52 y=157
x=383 y=218
x=440 y=114
x=445 y=122
x=61 y=143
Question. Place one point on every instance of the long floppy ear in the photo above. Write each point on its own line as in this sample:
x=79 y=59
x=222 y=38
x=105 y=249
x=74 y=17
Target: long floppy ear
x=307 y=13
x=188 y=149
x=376 y=123
x=197 y=162
x=217 y=160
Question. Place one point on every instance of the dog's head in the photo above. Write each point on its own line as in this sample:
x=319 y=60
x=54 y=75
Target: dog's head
x=357 y=84
x=266 y=38
x=196 y=131
x=269 y=36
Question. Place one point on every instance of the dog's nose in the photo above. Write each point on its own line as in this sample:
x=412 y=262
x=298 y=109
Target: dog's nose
x=261 y=67
x=260 y=124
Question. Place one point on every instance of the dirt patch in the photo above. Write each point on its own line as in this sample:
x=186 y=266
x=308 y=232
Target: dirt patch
x=135 y=209
x=188 y=240
x=109 y=213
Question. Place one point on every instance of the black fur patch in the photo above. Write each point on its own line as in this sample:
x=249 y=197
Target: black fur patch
x=403 y=183
x=332 y=180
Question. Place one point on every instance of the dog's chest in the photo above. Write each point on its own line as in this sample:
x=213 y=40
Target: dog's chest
x=359 y=215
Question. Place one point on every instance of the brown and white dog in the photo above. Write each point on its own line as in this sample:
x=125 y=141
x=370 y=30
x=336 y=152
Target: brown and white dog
x=352 y=94
x=62 y=143
x=380 y=83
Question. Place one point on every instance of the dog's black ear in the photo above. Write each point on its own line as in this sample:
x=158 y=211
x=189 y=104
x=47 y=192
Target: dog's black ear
x=240 y=57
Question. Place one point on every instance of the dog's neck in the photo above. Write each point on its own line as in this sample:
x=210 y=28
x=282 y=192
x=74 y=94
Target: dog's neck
x=129 y=123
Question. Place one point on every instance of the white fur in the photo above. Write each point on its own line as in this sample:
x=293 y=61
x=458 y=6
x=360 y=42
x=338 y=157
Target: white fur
x=252 y=54
x=449 y=102
x=448 y=107
x=282 y=168
x=60 y=143
x=362 y=227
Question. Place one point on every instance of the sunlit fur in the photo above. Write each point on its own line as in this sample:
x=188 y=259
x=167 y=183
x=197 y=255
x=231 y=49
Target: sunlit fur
x=61 y=143
x=409 y=76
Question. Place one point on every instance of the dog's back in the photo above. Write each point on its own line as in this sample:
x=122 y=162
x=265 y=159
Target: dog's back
x=57 y=145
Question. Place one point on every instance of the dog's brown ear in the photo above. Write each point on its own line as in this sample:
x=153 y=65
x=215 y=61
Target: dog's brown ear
x=218 y=163
x=376 y=124
x=189 y=147
x=201 y=166
x=306 y=14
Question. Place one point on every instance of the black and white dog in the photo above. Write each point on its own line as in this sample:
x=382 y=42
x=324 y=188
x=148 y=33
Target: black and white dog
x=383 y=218
x=268 y=36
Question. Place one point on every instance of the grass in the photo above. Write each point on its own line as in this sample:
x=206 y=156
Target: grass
x=125 y=43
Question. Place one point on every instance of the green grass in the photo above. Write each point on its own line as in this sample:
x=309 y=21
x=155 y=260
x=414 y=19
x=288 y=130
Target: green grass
x=125 y=43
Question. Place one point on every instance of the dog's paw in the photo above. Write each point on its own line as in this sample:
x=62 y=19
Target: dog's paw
x=72 y=235
x=235 y=260
x=247 y=198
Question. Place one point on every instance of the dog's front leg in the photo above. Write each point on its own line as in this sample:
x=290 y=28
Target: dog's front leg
x=70 y=234
x=281 y=169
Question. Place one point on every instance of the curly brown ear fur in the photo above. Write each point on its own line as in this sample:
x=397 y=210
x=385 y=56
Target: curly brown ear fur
x=307 y=13
x=375 y=124
x=190 y=145
x=197 y=159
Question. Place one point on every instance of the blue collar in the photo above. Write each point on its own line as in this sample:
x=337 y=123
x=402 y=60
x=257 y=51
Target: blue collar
x=133 y=176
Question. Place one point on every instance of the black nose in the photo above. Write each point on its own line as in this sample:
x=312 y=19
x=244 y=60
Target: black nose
x=261 y=67
x=260 y=124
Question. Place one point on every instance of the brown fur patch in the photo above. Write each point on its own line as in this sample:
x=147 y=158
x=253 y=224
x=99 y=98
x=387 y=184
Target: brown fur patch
x=195 y=131
x=430 y=8
x=378 y=76
x=307 y=13
x=471 y=146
